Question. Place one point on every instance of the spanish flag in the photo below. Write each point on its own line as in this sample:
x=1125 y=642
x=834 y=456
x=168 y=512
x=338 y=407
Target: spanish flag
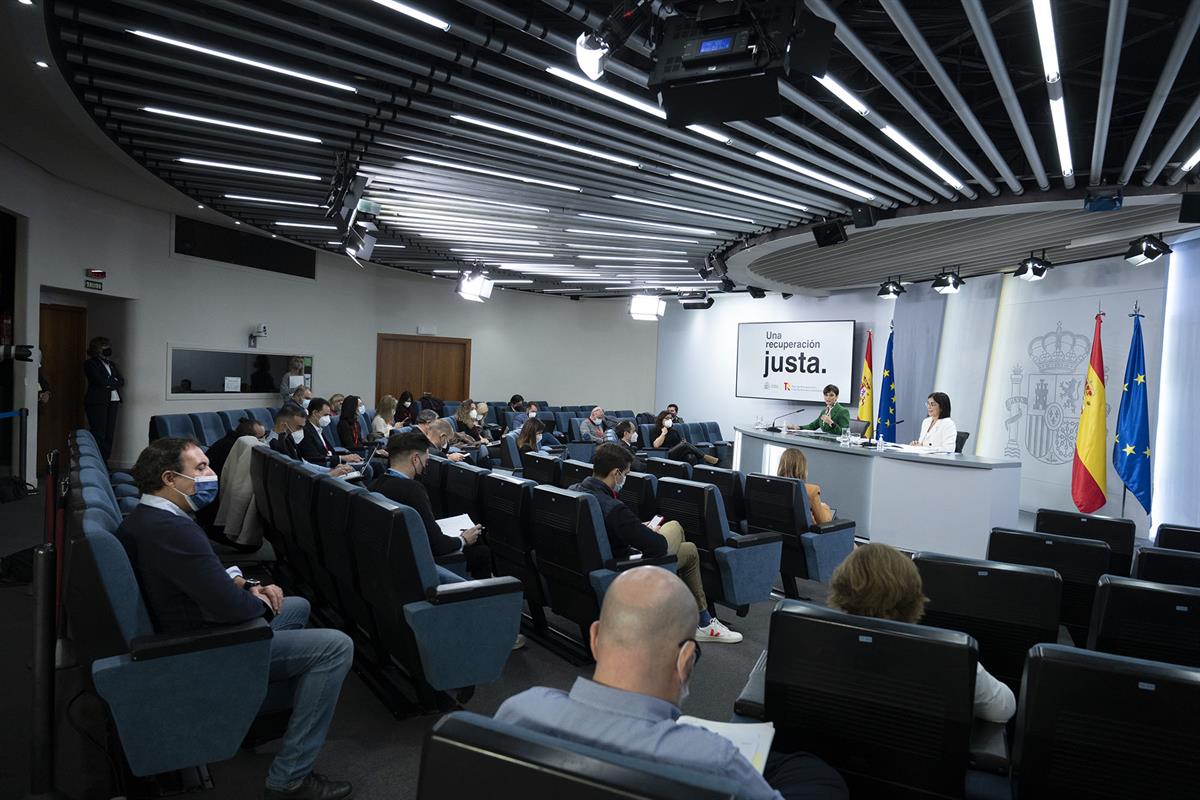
x=1090 y=468
x=866 y=399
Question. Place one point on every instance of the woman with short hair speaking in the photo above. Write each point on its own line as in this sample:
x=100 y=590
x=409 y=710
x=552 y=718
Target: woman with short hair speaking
x=938 y=431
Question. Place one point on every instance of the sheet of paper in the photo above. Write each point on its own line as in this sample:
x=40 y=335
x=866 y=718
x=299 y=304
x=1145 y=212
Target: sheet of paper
x=454 y=526
x=907 y=448
x=295 y=380
x=752 y=739
x=233 y=383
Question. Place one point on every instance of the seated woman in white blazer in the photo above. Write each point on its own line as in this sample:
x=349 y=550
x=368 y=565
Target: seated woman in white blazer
x=938 y=431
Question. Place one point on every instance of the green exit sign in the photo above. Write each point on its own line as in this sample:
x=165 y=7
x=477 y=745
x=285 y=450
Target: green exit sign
x=97 y=285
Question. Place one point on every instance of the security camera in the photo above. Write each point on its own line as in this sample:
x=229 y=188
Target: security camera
x=260 y=329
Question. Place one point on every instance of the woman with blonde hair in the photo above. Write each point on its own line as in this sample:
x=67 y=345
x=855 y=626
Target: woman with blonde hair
x=381 y=425
x=793 y=464
x=877 y=580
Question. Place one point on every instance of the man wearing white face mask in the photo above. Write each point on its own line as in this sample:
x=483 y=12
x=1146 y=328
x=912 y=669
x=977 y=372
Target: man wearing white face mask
x=627 y=438
x=186 y=588
x=313 y=448
x=645 y=657
x=594 y=426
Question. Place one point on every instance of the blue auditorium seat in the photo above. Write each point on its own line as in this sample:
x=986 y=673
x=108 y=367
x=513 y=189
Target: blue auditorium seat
x=562 y=421
x=506 y=502
x=666 y=468
x=165 y=425
x=208 y=426
x=572 y=472
x=450 y=407
x=510 y=458
x=810 y=551
x=463 y=490
x=444 y=635
x=265 y=416
x=640 y=494
x=737 y=569
x=732 y=485
x=230 y=418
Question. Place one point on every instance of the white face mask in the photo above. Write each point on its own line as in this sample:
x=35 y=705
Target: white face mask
x=633 y=438
x=324 y=421
x=473 y=414
x=407 y=403
x=533 y=415
x=297 y=436
x=667 y=422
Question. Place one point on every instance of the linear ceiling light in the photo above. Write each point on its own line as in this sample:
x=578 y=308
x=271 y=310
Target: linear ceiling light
x=843 y=94
x=814 y=174
x=1192 y=161
x=626 y=249
x=600 y=280
x=920 y=155
x=690 y=210
x=711 y=133
x=725 y=187
x=663 y=225
x=314 y=225
x=394 y=246
x=411 y=200
x=602 y=257
x=455 y=220
x=453 y=237
x=420 y=16
x=1044 y=18
x=587 y=151
x=514 y=253
x=244 y=168
x=513 y=280
x=620 y=235
x=271 y=201
x=228 y=124
x=510 y=176
x=304 y=76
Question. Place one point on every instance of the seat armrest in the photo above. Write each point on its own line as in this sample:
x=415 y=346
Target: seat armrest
x=162 y=645
x=988 y=749
x=833 y=525
x=750 y=703
x=450 y=559
x=472 y=590
x=620 y=565
x=738 y=540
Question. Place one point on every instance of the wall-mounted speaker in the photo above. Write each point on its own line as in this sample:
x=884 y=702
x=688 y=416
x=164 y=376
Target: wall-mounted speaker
x=1189 y=207
x=865 y=216
x=828 y=234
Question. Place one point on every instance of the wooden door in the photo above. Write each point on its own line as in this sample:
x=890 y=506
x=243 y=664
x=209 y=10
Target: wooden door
x=63 y=341
x=436 y=364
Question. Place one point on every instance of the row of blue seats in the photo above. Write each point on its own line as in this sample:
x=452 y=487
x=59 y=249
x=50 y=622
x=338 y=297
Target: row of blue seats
x=207 y=427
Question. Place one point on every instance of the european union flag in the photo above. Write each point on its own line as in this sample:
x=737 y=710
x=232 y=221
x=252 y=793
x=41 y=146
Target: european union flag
x=1131 y=445
x=887 y=397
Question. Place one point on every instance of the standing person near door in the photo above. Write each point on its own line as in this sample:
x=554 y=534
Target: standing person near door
x=103 y=397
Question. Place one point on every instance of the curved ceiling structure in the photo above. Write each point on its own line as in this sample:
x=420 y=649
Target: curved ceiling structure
x=487 y=146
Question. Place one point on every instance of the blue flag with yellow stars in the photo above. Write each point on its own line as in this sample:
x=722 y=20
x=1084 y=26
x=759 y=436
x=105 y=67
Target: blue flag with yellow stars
x=1131 y=445
x=887 y=397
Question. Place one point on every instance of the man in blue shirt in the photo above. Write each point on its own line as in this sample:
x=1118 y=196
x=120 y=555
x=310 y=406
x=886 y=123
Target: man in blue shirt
x=645 y=654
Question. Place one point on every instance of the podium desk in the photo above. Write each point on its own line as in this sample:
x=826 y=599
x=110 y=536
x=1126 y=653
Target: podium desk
x=942 y=503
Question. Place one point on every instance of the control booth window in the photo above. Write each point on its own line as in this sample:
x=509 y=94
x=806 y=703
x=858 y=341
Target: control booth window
x=225 y=372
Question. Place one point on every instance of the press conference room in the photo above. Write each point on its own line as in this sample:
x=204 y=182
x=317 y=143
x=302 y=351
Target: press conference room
x=599 y=399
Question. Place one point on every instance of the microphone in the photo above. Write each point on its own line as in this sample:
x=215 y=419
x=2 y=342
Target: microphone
x=775 y=428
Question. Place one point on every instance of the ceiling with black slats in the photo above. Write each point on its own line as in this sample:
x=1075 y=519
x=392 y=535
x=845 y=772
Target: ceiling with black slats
x=487 y=146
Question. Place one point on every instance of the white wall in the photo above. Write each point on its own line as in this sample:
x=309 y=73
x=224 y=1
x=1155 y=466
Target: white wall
x=697 y=352
x=553 y=348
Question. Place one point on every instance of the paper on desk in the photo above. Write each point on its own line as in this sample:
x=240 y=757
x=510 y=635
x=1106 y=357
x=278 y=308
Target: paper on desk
x=752 y=739
x=454 y=526
x=907 y=448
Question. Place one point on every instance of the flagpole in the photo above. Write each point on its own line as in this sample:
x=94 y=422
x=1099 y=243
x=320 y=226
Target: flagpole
x=1124 y=491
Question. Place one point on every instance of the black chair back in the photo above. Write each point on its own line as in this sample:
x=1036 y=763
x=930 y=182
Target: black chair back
x=1118 y=533
x=277 y=472
x=1080 y=563
x=540 y=468
x=258 y=480
x=1178 y=537
x=1178 y=567
x=960 y=439
x=1005 y=608
x=1140 y=619
x=776 y=504
x=573 y=472
x=434 y=478
x=640 y=493
x=887 y=704
x=309 y=558
x=1099 y=725
x=463 y=487
x=506 y=503
x=730 y=484
x=334 y=510
x=666 y=468
x=466 y=755
x=570 y=543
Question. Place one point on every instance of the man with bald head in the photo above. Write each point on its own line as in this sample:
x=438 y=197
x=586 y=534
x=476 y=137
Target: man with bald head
x=645 y=655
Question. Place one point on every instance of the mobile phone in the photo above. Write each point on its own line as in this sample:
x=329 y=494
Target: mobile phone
x=654 y=523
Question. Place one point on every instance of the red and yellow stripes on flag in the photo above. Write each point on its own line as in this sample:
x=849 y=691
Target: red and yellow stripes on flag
x=866 y=397
x=1090 y=467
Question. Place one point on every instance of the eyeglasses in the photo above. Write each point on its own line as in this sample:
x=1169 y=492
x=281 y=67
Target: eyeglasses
x=693 y=641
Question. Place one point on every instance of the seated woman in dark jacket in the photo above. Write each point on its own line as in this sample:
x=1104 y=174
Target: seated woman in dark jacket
x=407 y=409
x=670 y=439
x=469 y=424
x=530 y=438
x=349 y=427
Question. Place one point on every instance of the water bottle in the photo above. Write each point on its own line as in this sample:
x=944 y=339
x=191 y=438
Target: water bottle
x=878 y=441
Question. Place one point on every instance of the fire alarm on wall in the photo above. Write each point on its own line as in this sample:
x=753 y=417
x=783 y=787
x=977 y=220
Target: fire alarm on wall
x=96 y=274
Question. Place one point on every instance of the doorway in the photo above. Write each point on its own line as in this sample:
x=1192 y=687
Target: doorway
x=63 y=341
x=436 y=364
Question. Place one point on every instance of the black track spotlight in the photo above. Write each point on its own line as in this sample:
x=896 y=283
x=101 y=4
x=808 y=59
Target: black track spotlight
x=593 y=48
x=705 y=270
x=718 y=266
x=728 y=285
x=756 y=293
x=890 y=289
x=694 y=301
x=1033 y=268
x=947 y=282
x=1145 y=249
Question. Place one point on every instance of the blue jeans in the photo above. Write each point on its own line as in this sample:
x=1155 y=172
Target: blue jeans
x=318 y=660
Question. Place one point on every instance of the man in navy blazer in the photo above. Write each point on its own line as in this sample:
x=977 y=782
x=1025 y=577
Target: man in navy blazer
x=103 y=395
x=186 y=587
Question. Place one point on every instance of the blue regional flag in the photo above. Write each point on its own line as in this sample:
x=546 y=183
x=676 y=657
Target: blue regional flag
x=1131 y=445
x=887 y=397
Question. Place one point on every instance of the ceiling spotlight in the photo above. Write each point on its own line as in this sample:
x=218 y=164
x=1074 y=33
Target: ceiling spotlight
x=474 y=286
x=947 y=282
x=891 y=289
x=727 y=285
x=359 y=241
x=707 y=269
x=42 y=64
x=1145 y=249
x=593 y=48
x=756 y=293
x=647 y=307
x=1033 y=268
x=695 y=301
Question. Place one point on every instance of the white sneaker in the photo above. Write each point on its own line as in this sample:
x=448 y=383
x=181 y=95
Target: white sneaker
x=520 y=642
x=717 y=632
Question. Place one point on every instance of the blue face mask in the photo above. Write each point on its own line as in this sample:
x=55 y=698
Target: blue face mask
x=620 y=485
x=205 y=491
